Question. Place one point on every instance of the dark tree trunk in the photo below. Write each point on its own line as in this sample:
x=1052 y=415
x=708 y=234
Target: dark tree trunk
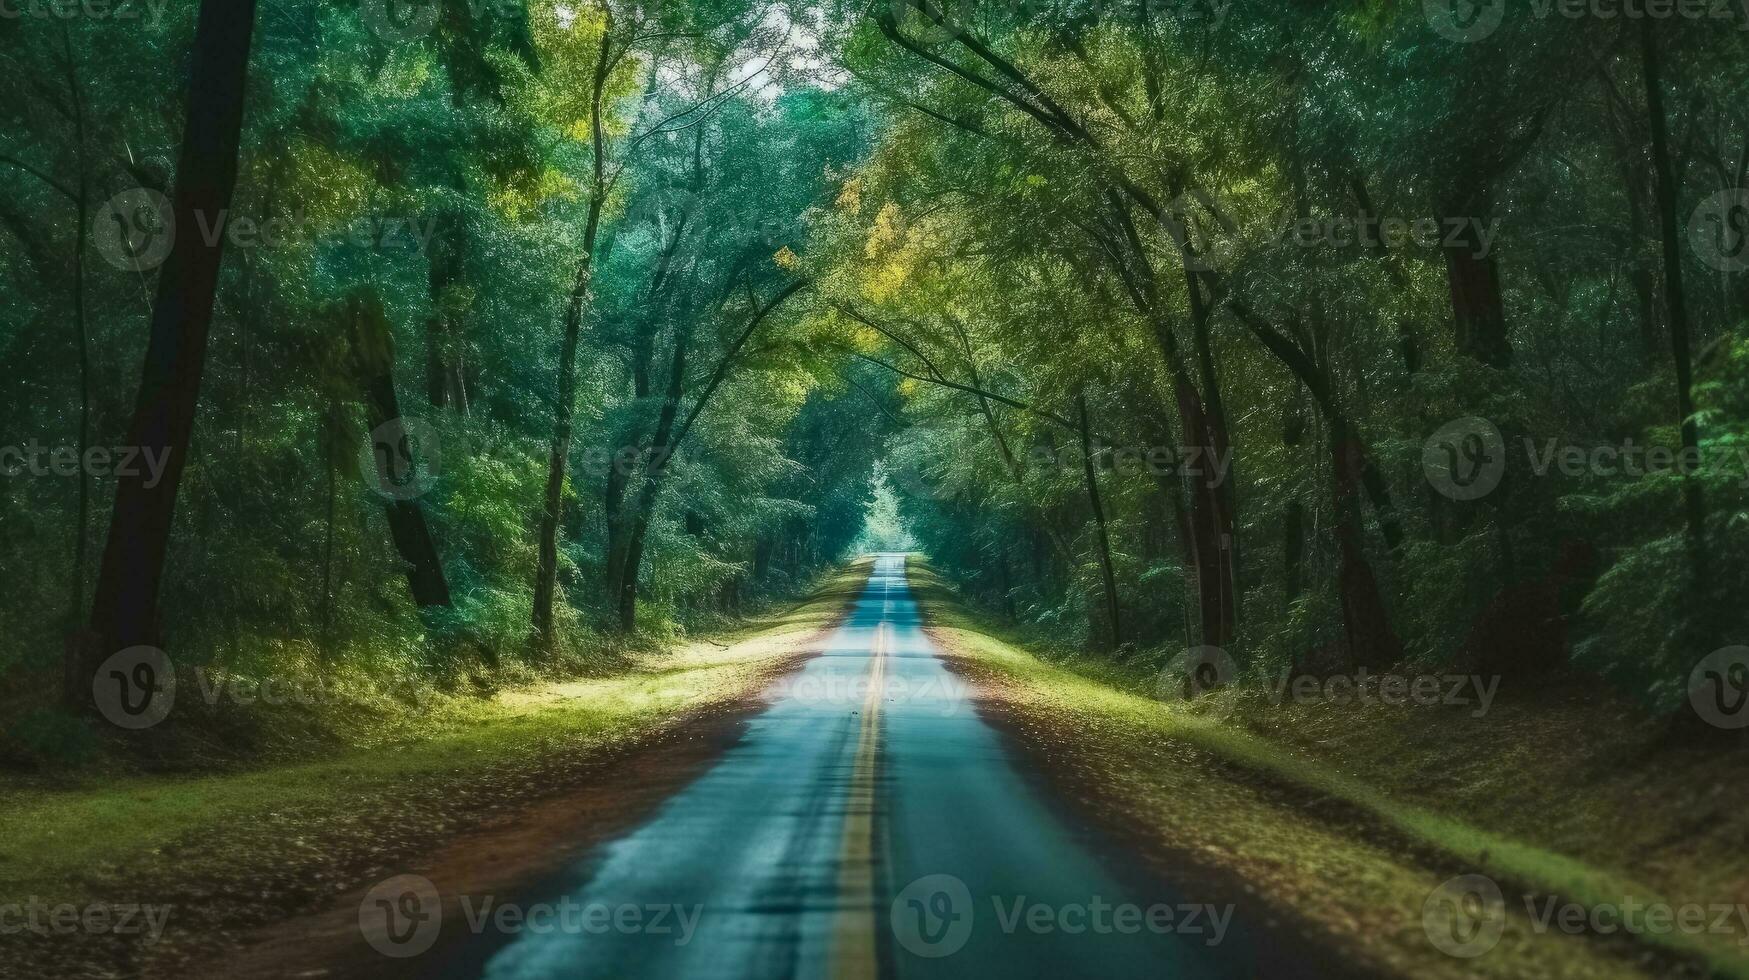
x=445 y=365
x=564 y=403
x=330 y=444
x=1216 y=602
x=1477 y=306
x=622 y=581
x=1218 y=462
x=1293 y=522
x=374 y=349
x=72 y=669
x=553 y=498
x=125 y=605
x=1293 y=547
x=1211 y=518
x=1407 y=347
x=665 y=445
x=615 y=508
x=1675 y=304
x=1368 y=637
x=1090 y=474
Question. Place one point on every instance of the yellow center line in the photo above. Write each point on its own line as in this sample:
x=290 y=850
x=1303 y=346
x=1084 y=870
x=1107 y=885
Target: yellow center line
x=853 y=934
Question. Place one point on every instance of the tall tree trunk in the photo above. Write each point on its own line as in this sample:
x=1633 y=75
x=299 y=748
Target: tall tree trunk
x=72 y=669
x=1478 y=308
x=1293 y=548
x=552 y=500
x=1216 y=603
x=1675 y=304
x=330 y=445
x=1210 y=518
x=618 y=510
x=1407 y=347
x=623 y=568
x=444 y=384
x=1293 y=434
x=1220 y=446
x=125 y=606
x=1090 y=474
x=657 y=462
x=1369 y=638
x=374 y=348
x=564 y=404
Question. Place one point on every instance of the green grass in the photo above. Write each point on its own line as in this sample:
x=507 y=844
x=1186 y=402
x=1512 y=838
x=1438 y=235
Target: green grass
x=74 y=844
x=1124 y=741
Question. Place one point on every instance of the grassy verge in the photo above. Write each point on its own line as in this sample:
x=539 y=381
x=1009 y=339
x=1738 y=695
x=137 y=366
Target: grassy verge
x=1324 y=824
x=278 y=838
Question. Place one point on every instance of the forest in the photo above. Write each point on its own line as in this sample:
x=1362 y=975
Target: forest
x=386 y=358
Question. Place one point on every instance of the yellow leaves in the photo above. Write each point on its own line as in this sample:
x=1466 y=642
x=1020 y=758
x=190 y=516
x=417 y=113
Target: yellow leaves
x=885 y=281
x=329 y=190
x=568 y=38
x=329 y=186
x=889 y=261
x=520 y=198
x=889 y=224
x=786 y=259
x=850 y=196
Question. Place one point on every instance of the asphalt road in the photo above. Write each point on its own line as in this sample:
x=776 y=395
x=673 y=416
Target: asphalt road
x=868 y=824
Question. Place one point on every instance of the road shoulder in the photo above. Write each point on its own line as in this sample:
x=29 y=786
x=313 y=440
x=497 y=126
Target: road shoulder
x=1302 y=846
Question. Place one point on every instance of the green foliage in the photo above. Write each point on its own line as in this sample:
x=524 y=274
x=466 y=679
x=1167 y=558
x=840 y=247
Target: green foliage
x=866 y=269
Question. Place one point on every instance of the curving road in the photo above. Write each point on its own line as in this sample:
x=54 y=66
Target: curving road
x=868 y=824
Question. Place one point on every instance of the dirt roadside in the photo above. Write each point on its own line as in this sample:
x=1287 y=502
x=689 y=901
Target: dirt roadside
x=285 y=899
x=1310 y=864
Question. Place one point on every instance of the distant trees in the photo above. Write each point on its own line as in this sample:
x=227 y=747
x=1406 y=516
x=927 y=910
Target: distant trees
x=1147 y=321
